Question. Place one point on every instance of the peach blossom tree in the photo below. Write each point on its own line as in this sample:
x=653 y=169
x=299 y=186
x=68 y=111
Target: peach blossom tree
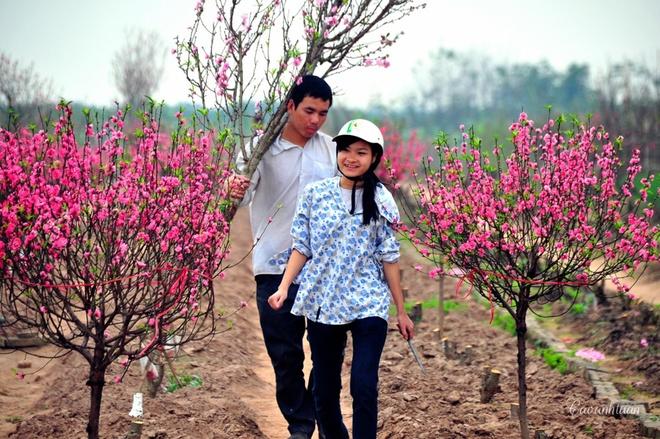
x=109 y=246
x=552 y=213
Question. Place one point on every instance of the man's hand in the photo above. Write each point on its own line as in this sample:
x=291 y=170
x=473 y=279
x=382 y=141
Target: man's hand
x=238 y=185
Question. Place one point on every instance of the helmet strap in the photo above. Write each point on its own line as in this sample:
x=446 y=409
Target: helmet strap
x=353 y=197
x=355 y=182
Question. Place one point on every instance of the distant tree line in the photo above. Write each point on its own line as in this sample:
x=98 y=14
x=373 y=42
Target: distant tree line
x=27 y=98
x=453 y=88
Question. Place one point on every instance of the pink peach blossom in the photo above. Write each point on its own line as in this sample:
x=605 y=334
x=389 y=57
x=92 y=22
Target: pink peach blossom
x=590 y=354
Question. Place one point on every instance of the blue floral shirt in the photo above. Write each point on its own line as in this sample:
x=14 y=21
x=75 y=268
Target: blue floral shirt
x=343 y=278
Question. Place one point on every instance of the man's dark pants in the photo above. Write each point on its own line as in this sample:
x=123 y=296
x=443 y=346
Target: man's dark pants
x=283 y=334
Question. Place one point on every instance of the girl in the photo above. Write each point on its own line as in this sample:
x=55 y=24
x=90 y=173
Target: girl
x=344 y=245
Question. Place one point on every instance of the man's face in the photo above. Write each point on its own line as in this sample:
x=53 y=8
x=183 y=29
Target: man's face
x=309 y=116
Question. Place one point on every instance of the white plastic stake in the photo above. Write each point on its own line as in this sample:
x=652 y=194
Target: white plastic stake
x=136 y=410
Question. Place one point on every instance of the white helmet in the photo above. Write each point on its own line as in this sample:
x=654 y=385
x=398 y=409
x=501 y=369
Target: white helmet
x=362 y=129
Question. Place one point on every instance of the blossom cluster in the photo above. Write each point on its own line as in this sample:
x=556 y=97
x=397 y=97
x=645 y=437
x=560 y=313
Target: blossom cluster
x=53 y=191
x=561 y=208
x=113 y=236
x=590 y=354
x=401 y=156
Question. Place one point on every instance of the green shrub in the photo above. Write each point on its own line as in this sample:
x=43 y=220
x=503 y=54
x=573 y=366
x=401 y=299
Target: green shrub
x=184 y=381
x=554 y=359
x=579 y=309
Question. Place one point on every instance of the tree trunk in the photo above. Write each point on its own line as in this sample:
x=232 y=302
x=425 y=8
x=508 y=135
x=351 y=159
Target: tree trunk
x=521 y=332
x=599 y=292
x=96 y=382
x=415 y=313
x=441 y=308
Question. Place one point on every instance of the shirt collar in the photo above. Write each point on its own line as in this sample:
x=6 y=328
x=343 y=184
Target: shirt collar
x=281 y=144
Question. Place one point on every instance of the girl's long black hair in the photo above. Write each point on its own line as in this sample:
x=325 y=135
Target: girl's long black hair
x=370 y=210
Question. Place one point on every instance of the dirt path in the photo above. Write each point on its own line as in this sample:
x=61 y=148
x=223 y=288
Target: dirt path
x=647 y=290
x=263 y=402
x=259 y=398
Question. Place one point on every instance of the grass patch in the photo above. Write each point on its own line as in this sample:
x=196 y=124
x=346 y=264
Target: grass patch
x=626 y=388
x=578 y=309
x=578 y=300
x=627 y=392
x=193 y=381
x=504 y=321
x=14 y=419
x=448 y=305
x=554 y=359
x=546 y=309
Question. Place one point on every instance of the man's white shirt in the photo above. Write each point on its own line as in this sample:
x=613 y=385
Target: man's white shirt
x=275 y=187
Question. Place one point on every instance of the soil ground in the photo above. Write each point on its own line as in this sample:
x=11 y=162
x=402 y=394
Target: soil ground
x=236 y=398
x=626 y=331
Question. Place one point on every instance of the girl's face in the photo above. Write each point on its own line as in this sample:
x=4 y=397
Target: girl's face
x=355 y=160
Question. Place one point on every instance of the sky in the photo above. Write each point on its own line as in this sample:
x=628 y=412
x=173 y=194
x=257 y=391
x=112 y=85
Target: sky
x=73 y=42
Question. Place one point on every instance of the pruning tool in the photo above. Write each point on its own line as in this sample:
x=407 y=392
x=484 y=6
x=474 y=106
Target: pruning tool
x=415 y=355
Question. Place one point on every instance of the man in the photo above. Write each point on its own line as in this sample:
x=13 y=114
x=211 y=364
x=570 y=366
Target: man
x=300 y=155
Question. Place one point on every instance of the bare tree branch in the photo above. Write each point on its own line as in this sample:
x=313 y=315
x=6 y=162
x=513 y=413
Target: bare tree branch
x=242 y=59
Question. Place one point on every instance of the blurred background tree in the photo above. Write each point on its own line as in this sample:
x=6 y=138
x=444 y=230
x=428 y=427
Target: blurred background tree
x=138 y=66
x=22 y=92
x=628 y=101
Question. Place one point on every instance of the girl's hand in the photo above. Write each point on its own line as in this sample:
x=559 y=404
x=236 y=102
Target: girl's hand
x=276 y=300
x=406 y=326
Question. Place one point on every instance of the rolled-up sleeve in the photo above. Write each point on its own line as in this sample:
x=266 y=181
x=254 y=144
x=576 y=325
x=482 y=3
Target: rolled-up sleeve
x=300 y=228
x=241 y=166
x=387 y=249
x=387 y=246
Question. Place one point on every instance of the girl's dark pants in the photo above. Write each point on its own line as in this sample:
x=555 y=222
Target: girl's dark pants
x=283 y=334
x=327 y=343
